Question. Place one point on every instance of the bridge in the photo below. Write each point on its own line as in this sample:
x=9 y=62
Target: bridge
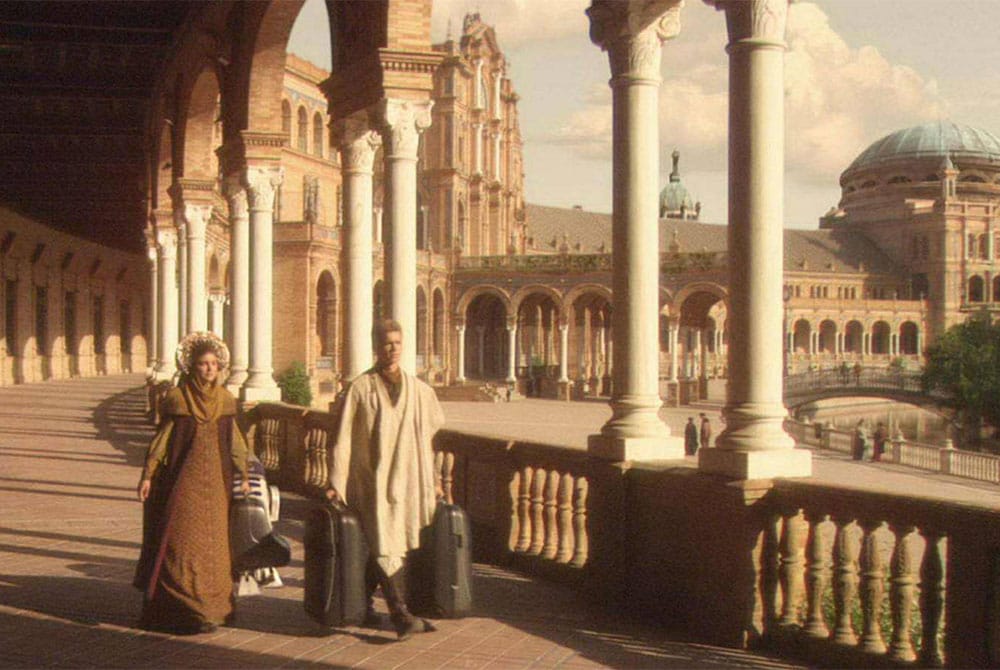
x=902 y=386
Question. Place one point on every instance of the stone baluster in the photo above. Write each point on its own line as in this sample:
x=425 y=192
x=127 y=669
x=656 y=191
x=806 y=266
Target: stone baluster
x=524 y=510
x=564 y=506
x=845 y=580
x=769 y=580
x=551 y=544
x=931 y=600
x=872 y=589
x=537 y=512
x=817 y=576
x=902 y=594
x=267 y=432
x=581 y=542
x=791 y=573
x=317 y=472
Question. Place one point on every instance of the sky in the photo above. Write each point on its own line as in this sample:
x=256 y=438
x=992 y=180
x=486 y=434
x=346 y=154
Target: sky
x=855 y=71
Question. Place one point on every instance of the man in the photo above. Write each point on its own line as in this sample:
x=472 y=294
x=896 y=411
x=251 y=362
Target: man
x=690 y=437
x=880 y=438
x=706 y=431
x=383 y=469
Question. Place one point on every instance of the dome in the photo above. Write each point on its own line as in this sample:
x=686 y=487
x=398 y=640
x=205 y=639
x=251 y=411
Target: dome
x=675 y=198
x=940 y=139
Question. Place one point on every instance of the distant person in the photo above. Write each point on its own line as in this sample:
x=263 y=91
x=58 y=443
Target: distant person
x=690 y=437
x=859 y=446
x=880 y=438
x=185 y=569
x=857 y=373
x=705 y=432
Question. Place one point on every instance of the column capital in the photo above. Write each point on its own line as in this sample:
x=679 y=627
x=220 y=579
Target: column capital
x=236 y=196
x=197 y=216
x=261 y=182
x=404 y=121
x=632 y=33
x=358 y=142
x=166 y=241
x=511 y=323
x=759 y=22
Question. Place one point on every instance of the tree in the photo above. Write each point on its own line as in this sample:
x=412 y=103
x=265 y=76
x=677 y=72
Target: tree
x=294 y=385
x=964 y=366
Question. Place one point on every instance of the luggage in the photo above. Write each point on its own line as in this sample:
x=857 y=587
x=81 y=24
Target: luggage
x=253 y=543
x=336 y=554
x=440 y=578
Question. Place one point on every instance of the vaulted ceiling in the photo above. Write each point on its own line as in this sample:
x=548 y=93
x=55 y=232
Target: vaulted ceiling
x=76 y=82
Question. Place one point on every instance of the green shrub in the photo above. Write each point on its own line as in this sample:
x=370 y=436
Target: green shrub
x=294 y=385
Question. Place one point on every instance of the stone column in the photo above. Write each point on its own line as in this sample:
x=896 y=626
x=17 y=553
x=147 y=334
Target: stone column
x=182 y=269
x=196 y=217
x=511 y=350
x=460 y=363
x=376 y=222
x=563 y=351
x=495 y=136
x=866 y=348
x=152 y=337
x=477 y=148
x=166 y=340
x=673 y=330
x=754 y=444
x=261 y=181
x=358 y=143
x=217 y=303
x=239 y=283
x=404 y=121
x=632 y=33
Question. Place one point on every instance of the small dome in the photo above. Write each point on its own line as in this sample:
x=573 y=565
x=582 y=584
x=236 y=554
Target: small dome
x=938 y=140
x=675 y=197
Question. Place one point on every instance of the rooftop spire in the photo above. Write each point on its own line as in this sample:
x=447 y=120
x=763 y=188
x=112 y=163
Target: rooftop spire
x=675 y=174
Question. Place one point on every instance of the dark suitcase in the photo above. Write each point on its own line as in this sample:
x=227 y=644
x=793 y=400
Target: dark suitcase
x=441 y=570
x=253 y=544
x=336 y=554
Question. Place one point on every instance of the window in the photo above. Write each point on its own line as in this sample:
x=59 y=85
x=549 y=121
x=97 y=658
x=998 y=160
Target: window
x=449 y=132
x=303 y=131
x=984 y=247
x=10 y=316
x=98 y=324
x=286 y=117
x=41 y=321
x=970 y=246
x=318 y=134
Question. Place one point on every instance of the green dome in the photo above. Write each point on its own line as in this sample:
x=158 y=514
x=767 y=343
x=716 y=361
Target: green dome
x=675 y=195
x=939 y=140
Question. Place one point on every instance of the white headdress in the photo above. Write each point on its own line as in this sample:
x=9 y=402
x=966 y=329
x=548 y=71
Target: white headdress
x=192 y=341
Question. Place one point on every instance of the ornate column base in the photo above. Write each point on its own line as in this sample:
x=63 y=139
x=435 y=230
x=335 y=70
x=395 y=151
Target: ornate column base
x=260 y=394
x=235 y=382
x=617 y=448
x=756 y=464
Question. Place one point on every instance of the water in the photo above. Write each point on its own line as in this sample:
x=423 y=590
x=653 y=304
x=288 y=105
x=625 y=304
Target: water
x=914 y=422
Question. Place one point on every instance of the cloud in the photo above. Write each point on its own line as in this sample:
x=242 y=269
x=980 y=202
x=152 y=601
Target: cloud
x=516 y=21
x=839 y=99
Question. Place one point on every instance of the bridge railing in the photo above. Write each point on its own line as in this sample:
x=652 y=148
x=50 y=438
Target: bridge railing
x=863 y=379
x=806 y=568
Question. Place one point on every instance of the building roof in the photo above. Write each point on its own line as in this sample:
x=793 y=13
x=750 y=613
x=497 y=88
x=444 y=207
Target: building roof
x=939 y=140
x=805 y=250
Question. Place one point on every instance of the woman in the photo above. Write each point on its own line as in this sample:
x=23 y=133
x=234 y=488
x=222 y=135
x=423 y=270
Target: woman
x=185 y=568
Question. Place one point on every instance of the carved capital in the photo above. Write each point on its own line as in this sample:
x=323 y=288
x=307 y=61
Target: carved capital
x=236 y=195
x=166 y=242
x=261 y=183
x=358 y=143
x=760 y=21
x=632 y=33
x=197 y=216
x=404 y=120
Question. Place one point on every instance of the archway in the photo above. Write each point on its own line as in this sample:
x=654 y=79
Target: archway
x=802 y=334
x=537 y=355
x=326 y=315
x=880 y=337
x=486 y=349
x=827 y=337
x=590 y=342
x=908 y=332
x=437 y=337
x=200 y=137
x=421 y=329
x=701 y=307
x=854 y=337
x=976 y=289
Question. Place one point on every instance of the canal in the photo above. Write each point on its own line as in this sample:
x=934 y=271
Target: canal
x=915 y=423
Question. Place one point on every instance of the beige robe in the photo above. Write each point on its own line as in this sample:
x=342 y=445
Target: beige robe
x=383 y=463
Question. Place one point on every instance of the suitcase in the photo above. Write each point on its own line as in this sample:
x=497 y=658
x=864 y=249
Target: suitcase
x=336 y=554
x=441 y=570
x=253 y=543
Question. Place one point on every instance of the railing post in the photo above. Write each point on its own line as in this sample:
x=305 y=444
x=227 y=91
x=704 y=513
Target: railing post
x=947 y=456
x=931 y=600
x=817 y=577
x=845 y=582
x=901 y=594
x=791 y=574
x=872 y=589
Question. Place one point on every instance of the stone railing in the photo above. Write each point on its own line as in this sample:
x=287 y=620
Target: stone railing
x=944 y=459
x=538 y=263
x=849 y=577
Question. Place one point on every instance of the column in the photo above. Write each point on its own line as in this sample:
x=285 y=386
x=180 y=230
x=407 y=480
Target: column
x=495 y=136
x=673 y=329
x=404 y=121
x=866 y=349
x=920 y=343
x=754 y=444
x=563 y=351
x=477 y=148
x=182 y=268
x=460 y=332
x=632 y=33
x=511 y=350
x=377 y=223
x=790 y=343
x=217 y=303
x=196 y=217
x=358 y=143
x=152 y=337
x=261 y=181
x=166 y=337
x=239 y=282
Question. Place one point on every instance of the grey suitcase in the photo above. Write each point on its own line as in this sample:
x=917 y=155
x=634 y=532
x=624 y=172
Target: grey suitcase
x=334 y=593
x=441 y=570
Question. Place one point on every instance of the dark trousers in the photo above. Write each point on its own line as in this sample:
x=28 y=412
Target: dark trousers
x=393 y=587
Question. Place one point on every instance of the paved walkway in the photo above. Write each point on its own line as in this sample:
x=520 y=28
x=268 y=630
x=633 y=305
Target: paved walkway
x=69 y=535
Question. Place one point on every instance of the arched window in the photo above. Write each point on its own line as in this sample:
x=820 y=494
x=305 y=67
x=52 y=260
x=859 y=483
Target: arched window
x=854 y=337
x=326 y=314
x=899 y=179
x=880 y=337
x=976 y=289
x=984 y=247
x=996 y=289
x=318 y=134
x=970 y=246
x=286 y=117
x=908 y=338
x=801 y=340
x=303 y=131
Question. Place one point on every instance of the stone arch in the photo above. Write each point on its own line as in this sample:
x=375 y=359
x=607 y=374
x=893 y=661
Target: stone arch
x=801 y=336
x=486 y=340
x=198 y=137
x=854 y=335
x=880 y=337
x=976 y=289
x=317 y=134
x=302 y=129
x=714 y=289
x=163 y=172
x=584 y=289
x=526 y=292
x=827 y=337
x=474 y=292
x=326 y=313
x=286 y=117
x=996 y=289
x=908 y=338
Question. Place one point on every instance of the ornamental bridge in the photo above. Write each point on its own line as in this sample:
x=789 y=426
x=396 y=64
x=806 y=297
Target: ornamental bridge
x=902 y=386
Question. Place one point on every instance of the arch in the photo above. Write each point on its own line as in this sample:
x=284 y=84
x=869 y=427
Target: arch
x=908 y=337
x=899 y=179
x=827 y=337
x=694 y=301
x=801 y=337
x=977 y=289
x=302 y=130
x=486 y=340
x=199 y=137
x=583 y=289
x=437 y=322
x=421 y=328
x=996 y=289
x=473 y=292
x=880 y=337
x=163 y=174
x=317 y=147
x=718 y=290
x=286 y=117
x=527 y=292
x=973 y=178
x=326 y=313
x=854 y=337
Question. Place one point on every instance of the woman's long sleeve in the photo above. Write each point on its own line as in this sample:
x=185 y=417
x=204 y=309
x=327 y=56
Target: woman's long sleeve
x=240 y=452
x=157 y=452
